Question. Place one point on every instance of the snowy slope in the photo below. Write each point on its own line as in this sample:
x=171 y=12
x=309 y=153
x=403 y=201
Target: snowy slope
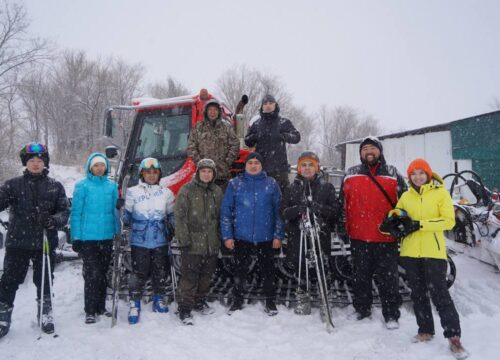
x=249 y=334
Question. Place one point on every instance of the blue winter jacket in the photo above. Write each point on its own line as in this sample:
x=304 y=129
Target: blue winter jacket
x=251 y=209
x=93 y=210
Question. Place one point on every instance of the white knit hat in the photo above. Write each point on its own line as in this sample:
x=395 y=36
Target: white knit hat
x=96 y=160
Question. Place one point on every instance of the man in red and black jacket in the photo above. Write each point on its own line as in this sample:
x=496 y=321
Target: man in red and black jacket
x=366 y=205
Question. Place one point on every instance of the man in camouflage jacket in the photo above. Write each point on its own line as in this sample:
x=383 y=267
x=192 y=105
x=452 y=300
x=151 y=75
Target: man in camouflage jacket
x=214 y=138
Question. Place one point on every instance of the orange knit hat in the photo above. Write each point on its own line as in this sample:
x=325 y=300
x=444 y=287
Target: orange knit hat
x=420 y=164
x=308 y=156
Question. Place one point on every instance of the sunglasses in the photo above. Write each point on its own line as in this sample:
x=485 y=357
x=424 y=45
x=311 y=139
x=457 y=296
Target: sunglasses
x=35 y=148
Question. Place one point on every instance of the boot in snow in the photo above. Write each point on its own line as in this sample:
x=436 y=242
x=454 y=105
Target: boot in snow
x=47 y=319
x=203 y=308
x=5 y=319
x=90 y=319
x=271 y=308
x=457 y=349
x=159 y=304
x=185 y=316
x=134 y=312
x=237 y=305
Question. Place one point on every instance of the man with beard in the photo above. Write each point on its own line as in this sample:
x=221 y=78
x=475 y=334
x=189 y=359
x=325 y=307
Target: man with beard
x=369 y=191
x=269 y=134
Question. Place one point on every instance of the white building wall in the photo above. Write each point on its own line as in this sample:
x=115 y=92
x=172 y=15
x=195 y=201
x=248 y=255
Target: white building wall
x=435 y=147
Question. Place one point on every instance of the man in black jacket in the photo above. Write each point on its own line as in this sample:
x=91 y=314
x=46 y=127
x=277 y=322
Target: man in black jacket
x=269 y=134
x=37 y=204
x=309 y=189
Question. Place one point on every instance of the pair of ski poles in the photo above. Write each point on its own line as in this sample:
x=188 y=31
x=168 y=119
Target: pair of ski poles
x=45 y=264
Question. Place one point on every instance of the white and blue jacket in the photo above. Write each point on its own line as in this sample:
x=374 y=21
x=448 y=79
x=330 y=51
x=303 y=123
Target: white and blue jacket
x=147 y=208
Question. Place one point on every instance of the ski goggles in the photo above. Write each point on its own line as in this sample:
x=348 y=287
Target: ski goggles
x=150 y=163
x=35 y=148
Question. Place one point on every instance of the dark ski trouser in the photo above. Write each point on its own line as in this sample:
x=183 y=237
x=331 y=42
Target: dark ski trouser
x=196 y=273
x=145 y=263
x=243 y=251
x=428 y=276
x=96 y=257
x=380 y=259
x=15 y=267
x=281 y=178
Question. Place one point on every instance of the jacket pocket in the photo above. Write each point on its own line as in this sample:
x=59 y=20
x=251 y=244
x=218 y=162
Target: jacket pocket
x=139 y=231
x=437 y=242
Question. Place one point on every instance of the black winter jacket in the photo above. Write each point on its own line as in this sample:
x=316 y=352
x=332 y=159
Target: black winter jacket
x=270 y=134
x=326 y=208
x=32 y=198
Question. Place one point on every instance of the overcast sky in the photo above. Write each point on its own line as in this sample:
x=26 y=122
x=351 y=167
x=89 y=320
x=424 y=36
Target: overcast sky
x=407 y=63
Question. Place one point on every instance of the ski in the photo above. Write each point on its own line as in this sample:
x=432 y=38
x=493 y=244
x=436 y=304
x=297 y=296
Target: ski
x=117 y=264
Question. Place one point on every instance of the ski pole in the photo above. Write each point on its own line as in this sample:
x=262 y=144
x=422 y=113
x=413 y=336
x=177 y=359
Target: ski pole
x=42 y=290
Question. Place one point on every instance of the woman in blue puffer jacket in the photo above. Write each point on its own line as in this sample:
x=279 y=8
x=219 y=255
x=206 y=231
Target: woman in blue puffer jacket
x=94 y=222
x=251 y=224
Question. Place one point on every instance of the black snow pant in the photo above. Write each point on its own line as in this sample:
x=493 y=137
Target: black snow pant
x=281 y=178
x=194 y=284
x=428 y=276
x=243 y=251
x=96 y=257
x=380 y=259
x=145 y=263
x=15 y=267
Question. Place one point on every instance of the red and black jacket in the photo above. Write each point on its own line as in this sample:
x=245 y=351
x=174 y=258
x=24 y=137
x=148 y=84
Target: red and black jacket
x=364 y=203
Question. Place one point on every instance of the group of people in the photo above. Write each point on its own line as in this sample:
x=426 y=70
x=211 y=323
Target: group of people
x=247 y=215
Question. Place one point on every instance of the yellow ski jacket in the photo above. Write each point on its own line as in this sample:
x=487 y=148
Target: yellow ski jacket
x=433 y=207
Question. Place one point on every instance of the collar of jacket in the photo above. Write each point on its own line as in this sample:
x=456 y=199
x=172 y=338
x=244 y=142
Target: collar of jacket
x=202 y=184
x=319 y=177
x=97 y=179
x=435 y=183
x=269 y=116
x=258 y=176
x=147 y=186
x=31 y=176
x=213 y=123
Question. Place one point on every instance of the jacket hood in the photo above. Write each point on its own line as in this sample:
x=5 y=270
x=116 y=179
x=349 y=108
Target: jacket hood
x=209 y=103
x=89 y=160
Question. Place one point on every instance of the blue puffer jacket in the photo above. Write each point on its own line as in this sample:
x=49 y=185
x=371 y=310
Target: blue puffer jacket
x=251 y=209
x=93 y=210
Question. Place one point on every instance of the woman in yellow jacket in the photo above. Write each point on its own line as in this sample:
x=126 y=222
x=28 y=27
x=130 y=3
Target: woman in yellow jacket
x=423 y=253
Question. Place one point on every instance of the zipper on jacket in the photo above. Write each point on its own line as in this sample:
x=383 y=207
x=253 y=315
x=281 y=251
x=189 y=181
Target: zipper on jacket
x=437 y=242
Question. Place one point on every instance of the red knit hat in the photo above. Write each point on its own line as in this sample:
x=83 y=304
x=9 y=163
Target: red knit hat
x=420 y=164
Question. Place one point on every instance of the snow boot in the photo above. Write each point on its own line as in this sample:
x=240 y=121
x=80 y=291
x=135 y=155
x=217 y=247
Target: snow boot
x=303 y=306
x=359 y=315
x=159 y=304
x=90 y=319
x=47 y=319
x=271 y=308
x=185 y=316
x=5 y=318
x=422 y=337
x=236 y=305
x=203 y=308
x=392 y=324
x=457 y=349
x=102 y=311
x=134 y=312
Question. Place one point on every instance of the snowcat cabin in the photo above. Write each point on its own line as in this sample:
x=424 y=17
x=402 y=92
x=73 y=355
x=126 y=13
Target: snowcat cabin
x=161 y=130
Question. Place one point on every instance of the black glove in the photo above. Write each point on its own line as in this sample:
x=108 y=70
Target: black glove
x=76 y=245
x=170 y=230
x=49 y=222
x=316 y=207
x=295 y=211
x=410 y=226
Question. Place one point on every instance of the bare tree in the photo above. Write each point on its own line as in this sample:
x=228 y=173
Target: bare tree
x=340 y=124
x=17 y=48
x=168 y=89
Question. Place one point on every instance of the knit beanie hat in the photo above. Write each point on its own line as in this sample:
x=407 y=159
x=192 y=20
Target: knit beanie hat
x=372 y=140
x=96 y=160
x=420 y=164
x=254 y=155
x=308 y=156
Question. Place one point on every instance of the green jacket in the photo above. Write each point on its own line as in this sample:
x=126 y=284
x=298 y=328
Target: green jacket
x=216 y=141
x=197 y=218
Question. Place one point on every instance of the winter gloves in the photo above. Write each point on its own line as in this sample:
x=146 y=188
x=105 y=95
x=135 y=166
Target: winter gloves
x=397 y=223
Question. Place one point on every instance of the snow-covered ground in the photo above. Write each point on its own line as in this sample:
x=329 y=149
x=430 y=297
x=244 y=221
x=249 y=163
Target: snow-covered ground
x=248 y=334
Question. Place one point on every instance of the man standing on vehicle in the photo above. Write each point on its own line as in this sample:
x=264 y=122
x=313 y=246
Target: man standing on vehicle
x=369 y=191
x=214 y=138
x=269 y=134
x=38 y=204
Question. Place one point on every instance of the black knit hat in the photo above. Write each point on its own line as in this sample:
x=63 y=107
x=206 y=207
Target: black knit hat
x=268 y=98
x=32 y=150
x=254 y=155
